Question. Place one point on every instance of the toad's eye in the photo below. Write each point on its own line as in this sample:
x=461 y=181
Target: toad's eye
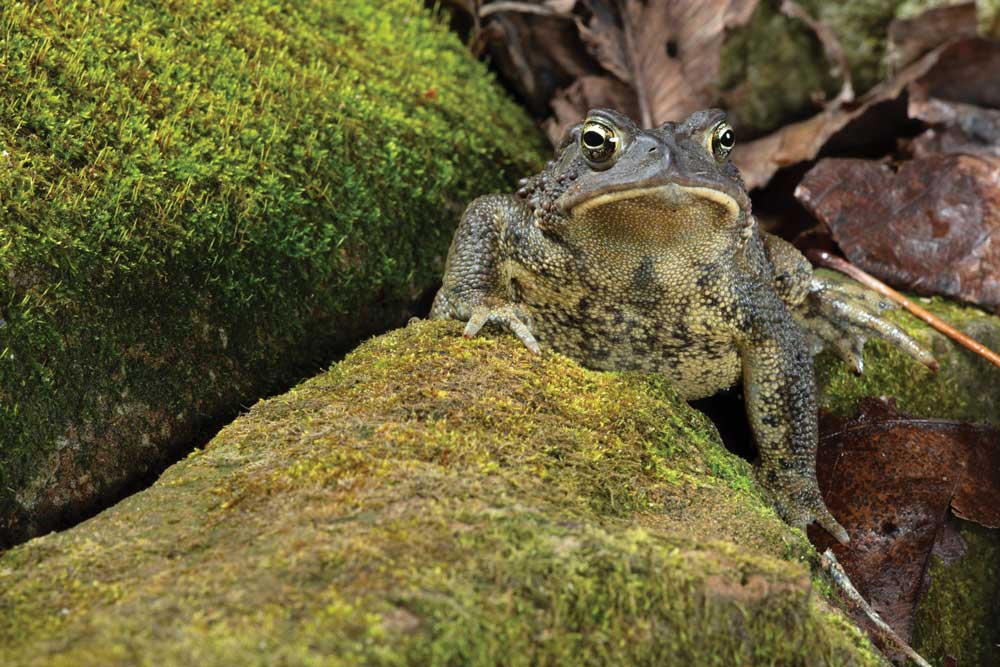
x=598 y=141
x=723 y=140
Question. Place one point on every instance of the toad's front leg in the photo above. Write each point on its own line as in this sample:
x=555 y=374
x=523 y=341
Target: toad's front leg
x=780 y=402
x=476 y=287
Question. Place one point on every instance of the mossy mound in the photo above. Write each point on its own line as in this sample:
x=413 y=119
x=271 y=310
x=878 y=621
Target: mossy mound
x=434 y=500
x=199 y=200
x=960 y=613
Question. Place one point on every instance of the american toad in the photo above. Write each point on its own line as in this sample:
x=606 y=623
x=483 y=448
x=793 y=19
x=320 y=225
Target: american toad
x=636 y=250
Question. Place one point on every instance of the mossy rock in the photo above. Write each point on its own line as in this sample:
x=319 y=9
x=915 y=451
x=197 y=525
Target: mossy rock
x=434 y=500
x=959 y=615
x=201 y=201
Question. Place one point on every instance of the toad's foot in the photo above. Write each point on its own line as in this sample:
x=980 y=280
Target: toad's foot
x=843 y=315
x=508 y=316
x=798 y=502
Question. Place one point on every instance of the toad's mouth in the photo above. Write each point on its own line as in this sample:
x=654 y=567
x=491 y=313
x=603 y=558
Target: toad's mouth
x=664 y=203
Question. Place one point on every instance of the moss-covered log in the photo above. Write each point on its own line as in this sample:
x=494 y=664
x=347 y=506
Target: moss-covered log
x=200 y=200
x=434 y=500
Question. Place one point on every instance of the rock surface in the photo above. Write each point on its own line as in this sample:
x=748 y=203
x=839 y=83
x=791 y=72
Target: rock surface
x=200 y=203
x=434 y=500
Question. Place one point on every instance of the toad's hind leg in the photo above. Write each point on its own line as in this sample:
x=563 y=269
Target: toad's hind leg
x=780 y=401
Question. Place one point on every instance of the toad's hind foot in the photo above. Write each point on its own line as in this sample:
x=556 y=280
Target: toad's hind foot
x=842 y=315
x=800 y=504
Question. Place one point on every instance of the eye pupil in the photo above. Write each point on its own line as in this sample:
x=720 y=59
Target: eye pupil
x=728 y=139
x=593 y=139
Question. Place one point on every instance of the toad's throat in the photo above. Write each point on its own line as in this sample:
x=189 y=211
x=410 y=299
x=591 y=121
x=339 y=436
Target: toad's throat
x=664 y=216
x=669 y=198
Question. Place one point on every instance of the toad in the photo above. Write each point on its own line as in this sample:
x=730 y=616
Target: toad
x=637 y=250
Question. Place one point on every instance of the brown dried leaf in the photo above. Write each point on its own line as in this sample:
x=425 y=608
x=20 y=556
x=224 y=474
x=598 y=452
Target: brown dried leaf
x=571 y=104
x=966 y=72
x=911 y=38
x=962 y=70
x=978 y=495
x=960 y=128
x=932 y=227
x=668 y=52
x=889 y=479
x=536 y=73
x=948 y=99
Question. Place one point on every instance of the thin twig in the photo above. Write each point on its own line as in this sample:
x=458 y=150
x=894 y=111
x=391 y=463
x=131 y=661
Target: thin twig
x=824 y=258
x=829 y=563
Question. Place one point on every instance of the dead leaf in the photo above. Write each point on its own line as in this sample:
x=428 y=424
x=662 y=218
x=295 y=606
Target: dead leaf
x=535 y=73
x=932 y=227
x=966 y=72
x=958 y=128
x=890 y=479
x=911 y=38
x=668 y=52
x=978 y=496
x=962 y=70
x=588 y=92
x=949 y=99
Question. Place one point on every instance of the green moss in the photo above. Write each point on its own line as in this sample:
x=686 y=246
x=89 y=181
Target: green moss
x=202 y=199
x=963 y=388
x=770 y=71
x=434 y=500
x=960 y=613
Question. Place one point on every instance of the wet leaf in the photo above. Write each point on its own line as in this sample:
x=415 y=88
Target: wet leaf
x=931 y=226
x=957 y=128
x=890 y=480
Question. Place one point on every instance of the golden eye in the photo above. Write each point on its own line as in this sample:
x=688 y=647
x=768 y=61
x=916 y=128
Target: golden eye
x=723 y=140
x=598 y=141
